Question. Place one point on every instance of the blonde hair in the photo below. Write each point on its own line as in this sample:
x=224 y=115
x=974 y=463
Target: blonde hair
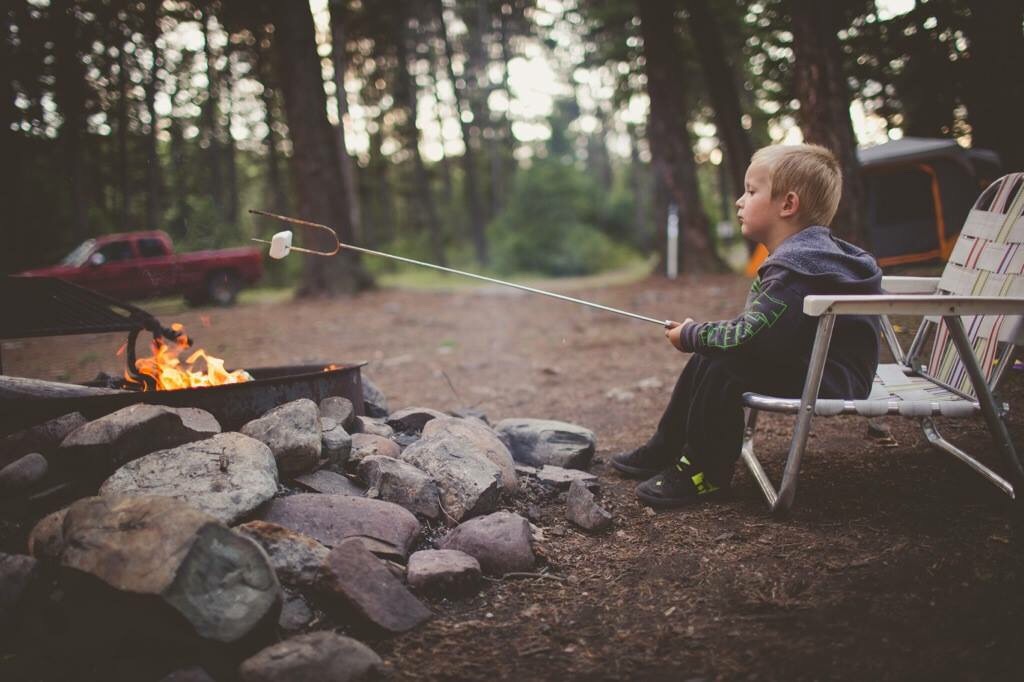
x=811 y=172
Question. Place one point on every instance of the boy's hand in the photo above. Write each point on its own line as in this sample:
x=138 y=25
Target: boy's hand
x=673 y=332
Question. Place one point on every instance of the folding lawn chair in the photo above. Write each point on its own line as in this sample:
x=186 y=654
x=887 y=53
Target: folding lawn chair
x=972 y=318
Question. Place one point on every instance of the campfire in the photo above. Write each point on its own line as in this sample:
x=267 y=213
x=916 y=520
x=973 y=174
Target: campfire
x=170 y=373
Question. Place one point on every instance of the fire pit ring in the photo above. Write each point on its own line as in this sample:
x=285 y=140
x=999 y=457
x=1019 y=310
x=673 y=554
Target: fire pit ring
x=232 y=404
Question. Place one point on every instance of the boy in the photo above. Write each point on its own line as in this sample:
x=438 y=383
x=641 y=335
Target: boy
x=791 y=194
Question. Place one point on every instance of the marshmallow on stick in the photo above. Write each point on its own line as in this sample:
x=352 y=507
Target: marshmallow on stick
x=281 y=244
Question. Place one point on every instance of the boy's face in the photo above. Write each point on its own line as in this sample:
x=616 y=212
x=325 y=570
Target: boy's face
x=758 y=213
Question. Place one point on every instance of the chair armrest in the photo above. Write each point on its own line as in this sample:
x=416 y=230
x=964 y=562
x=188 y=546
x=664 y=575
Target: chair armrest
x=910 y=285
x=888 y=304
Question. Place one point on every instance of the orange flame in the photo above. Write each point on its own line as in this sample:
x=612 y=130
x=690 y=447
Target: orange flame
x=171 y=374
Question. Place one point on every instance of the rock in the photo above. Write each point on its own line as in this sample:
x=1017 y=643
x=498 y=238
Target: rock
x=583 y=510
x=478 y=439
x=22 y=474
x=160 y=552
x=315 y=657
x=499 y=541
x=292 y=432
x=43 y=438
x=340 y=410
x=17 y=575
x=526 y=470
x=46 y=541
x=366 y=445
x=374 y=402
x=296 y=615
x=541 y=441
x=560 y=478
x=404 y=440
x=447 y=571
x=365 y=586
x=96 y=449
x=374 y=426
x=396 y=481
x=296 y=558
x=384 y=527
x=335 y=443
x=227 y=476
x=470 y=413
x=329 y=483
x=468 y=481
x=412 y=419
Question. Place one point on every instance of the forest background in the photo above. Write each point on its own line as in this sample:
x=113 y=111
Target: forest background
x=503 y=136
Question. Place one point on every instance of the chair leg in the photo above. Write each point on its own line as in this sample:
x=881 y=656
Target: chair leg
x=989 y=409
x=931 y=432
x=756 y=470
x=815 y=369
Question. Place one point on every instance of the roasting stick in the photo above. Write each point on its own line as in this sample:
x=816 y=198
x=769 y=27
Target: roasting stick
x=281 y=246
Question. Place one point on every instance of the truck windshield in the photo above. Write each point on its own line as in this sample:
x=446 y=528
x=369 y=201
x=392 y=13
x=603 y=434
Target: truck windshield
x=80 y=254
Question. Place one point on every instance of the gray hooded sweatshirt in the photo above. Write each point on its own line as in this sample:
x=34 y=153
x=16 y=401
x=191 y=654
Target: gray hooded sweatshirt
x=769 y=343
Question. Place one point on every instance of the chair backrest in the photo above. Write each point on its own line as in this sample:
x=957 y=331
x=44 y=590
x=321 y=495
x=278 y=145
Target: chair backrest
x=988 y=260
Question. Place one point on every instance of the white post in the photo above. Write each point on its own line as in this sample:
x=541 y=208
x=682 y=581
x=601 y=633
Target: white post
x=672 y=243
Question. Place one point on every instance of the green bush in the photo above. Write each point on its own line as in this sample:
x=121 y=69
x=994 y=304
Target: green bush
x=550 y=225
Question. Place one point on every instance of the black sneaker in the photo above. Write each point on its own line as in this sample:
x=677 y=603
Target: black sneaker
x=640 y=463
x=677 y=486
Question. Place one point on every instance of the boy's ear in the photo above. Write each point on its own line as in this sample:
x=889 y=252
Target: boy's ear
x=790 y=205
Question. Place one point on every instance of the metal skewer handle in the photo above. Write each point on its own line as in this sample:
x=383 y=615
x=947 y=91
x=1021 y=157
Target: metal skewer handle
x=523 y=287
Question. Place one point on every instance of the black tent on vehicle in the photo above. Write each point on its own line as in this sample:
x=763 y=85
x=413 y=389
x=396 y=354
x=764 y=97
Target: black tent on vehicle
x=919 y=191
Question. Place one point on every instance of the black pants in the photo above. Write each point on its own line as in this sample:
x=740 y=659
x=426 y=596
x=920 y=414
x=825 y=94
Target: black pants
x=704 y=417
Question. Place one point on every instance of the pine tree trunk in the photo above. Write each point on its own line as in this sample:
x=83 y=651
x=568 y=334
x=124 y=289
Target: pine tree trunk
x=275 y=181
x=154 y=191
x=476 y=71
x=348 y=173
x=314 y=162
x=476 y=214
x=508 y=135
x=598 y=157
x=19 y=252
x=211 y=118
x=995 y=95
x=69 y=91
x=9 y=115
x=384 y=207
x=672 y=159
x=406 y=94
x=180 y=171
x=445 y=165
x=639 y=190
x=124 y=182
x=824 y=97
x=230 y=150
x=723 y=88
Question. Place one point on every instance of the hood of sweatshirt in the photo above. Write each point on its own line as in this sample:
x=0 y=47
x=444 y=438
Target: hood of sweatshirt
x=814 y=252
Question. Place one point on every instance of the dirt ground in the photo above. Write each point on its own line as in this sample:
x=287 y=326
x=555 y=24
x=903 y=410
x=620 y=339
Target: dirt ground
x=897 y=563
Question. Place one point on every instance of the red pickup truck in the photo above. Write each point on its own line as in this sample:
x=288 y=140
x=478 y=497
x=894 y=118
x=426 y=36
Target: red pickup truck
x=144 y=265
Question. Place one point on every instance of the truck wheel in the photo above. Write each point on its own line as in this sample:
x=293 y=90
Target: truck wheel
x=222 y=288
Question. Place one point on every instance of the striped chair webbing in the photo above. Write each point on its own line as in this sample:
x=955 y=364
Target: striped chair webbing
x=895 y=392
x=987 y=260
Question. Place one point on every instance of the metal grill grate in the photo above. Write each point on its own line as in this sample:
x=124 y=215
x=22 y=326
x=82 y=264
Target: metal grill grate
x=43 y=306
